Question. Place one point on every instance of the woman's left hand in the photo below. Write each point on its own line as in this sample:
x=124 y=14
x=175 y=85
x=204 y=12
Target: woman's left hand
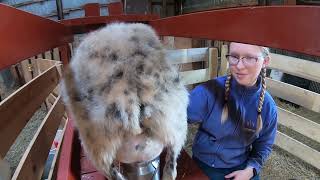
x=245 y=174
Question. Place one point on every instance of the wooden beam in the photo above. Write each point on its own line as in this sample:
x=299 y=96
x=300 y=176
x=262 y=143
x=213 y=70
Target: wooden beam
x=181 y=56
x=297 y=95
x=298 y=149
x=295 y=66
x=244 y=25
x=19 y=42
x=213 y=62
x=33 y=161
x=80 y=25
x=299 y=124
x=195 y=76
x=19 y=107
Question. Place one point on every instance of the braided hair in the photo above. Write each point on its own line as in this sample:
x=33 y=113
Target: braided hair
x=224 y=115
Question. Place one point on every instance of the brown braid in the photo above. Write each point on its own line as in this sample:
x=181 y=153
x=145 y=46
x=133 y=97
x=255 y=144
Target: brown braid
x=224 y=115
x=261 y=99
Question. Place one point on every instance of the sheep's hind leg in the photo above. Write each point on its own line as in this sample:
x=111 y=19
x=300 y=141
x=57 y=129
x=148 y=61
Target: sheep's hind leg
x=170 y=168
x=115 y=174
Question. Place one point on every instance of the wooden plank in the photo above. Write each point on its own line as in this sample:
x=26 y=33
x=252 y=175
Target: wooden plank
x=45 y=64
x=54 y=166
x=195 y=76
x=213 y=62
x=56 y=54
x=218 y=44
x=20 y=73
x=5 y=172
x=299 y=124
x=224 y=62
x=298 y=149
x=26 y=70
x=182 y=43
x=50 y=100
x=181 y=56
x=168 y=42
x=47 y=55
x=295 y=66
x=18 y=108
x=35 y=68
x=39 y=56
x=15 y=73
x=71 y=48
x=297 y=95
x=32 y=163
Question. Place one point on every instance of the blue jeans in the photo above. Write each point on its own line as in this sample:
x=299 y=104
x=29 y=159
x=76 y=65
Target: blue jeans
x=219 y=173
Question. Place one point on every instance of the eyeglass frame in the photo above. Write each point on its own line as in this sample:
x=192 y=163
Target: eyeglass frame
x=242 y=58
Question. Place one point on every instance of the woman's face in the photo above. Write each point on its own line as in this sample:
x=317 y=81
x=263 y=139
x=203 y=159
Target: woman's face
x=247 y=70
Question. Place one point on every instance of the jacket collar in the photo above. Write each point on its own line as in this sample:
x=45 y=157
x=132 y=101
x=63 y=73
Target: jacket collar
x=243 y=90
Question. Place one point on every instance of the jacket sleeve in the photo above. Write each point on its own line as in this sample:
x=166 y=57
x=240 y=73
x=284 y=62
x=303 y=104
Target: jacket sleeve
x=198 y=105
x=262 y=147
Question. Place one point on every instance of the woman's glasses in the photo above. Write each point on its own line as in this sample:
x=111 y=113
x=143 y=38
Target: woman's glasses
x=246 y=60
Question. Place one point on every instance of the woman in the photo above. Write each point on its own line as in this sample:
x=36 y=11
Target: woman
x=238 y=117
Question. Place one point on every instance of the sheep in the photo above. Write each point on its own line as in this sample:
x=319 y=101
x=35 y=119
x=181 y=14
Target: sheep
x=118 y=85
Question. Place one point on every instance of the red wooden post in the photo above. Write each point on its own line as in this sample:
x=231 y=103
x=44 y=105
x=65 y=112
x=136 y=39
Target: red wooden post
x=115 y=8
x=65 y=54
x=92 y=9
x=65 y=160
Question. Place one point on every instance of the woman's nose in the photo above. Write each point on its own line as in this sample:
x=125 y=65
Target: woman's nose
x=240 y=64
